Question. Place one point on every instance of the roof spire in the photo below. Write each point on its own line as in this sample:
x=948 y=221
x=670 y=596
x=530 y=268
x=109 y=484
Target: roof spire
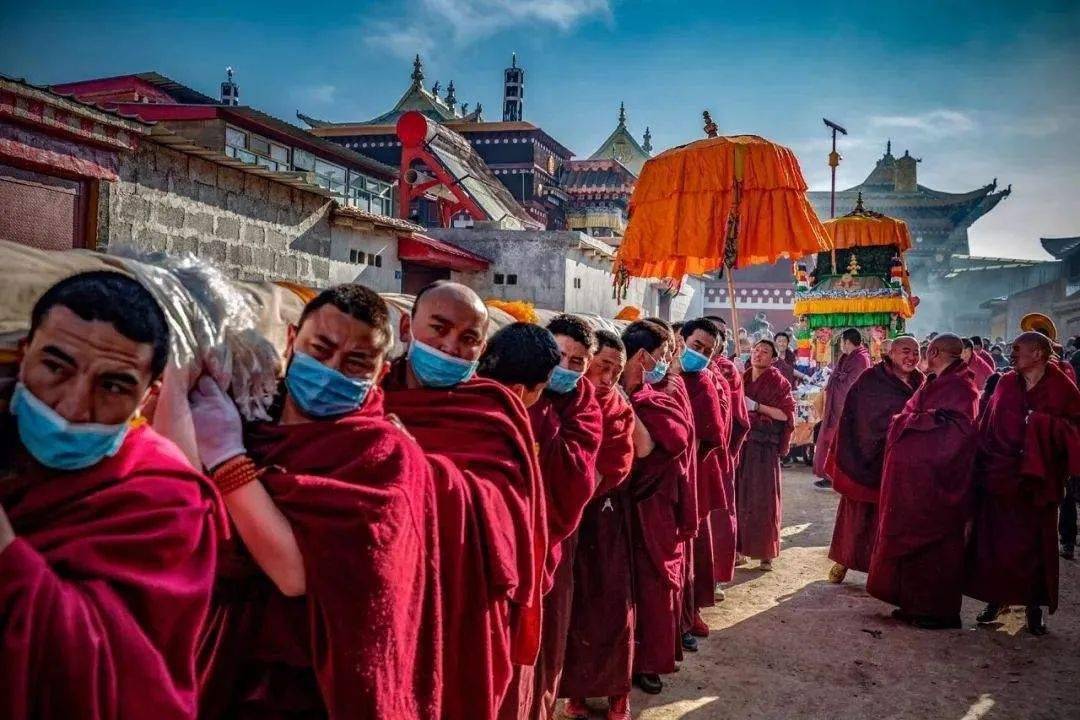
x=622 y=113
x=451 y=96
x=513 y=60
x=710 y=127
x=647 y=145
x=888 y=147
x=230 y=91
x=417 y=70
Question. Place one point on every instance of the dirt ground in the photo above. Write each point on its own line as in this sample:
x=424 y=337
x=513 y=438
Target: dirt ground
x=787 y=644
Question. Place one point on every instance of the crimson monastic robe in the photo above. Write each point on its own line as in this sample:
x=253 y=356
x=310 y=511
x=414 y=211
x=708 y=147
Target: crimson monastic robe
x=674 y=386
x=925 y=497
x=724 y=523
x=982 y=370
x=759 y=498
x=711 y=433
x=106 y=585
x=492 y=619
x=847 y=371
x=600 y=641
x=1029 y=444
x=657 y=484
x=858 y=454
x=366 y=639
x=568 y=429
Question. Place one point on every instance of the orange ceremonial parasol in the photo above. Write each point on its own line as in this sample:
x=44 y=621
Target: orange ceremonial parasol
x=725 y=202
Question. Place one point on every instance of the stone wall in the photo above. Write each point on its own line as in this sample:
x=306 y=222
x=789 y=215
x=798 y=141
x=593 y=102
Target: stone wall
x=250 y=227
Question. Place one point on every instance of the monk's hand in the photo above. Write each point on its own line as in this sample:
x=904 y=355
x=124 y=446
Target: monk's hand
x=7 y=533
x=751 y=405
x=218 y=430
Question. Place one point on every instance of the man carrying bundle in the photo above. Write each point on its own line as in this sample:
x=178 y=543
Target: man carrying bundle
x=600 y=640
x=107 y=535
x=498 y=543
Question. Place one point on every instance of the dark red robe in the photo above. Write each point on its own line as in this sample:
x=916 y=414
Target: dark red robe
x=982 y=370
x=106 y=585
x=568 y=429
x=757 y=485
x=711 y=432
x=674 y=386
x=857 y=456
x=847 y=371
x=925 y=497
x=724 y=523
x=366 y=640
x=1029 y=444
x=492 y=619
x=600 y=641
x=657 y=484
x=1066 y=367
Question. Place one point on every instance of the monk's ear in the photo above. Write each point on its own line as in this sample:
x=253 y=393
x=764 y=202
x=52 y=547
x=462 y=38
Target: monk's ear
x=405 y=328
x=290 y=340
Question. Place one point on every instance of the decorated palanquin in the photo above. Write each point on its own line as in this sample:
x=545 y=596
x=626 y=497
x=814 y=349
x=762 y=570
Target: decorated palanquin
x=862 y=283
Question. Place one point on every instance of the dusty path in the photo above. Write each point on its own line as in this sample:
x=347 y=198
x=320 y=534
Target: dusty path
x=787 y=644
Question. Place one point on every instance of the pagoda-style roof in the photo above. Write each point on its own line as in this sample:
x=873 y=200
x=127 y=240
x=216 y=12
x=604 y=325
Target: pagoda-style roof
x=1061 y=247
x=622 y=146
x=152 y=87
x=597 y=177
x=892 y=188
x=416 y=98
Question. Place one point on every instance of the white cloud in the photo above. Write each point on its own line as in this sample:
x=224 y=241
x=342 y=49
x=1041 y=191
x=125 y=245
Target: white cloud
x=935 y=123
x=470 y=20
x=322 y=94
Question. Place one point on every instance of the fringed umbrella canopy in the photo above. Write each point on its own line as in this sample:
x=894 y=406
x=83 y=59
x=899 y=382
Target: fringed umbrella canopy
x=728 y=201
x=866 y=228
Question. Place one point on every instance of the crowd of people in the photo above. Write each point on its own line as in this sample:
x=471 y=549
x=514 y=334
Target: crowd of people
x=486 y=524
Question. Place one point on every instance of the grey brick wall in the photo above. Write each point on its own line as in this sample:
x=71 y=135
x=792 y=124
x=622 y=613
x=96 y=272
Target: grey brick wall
x=251 y=227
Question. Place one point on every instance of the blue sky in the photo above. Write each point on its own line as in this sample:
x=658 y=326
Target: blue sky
x=978 y=90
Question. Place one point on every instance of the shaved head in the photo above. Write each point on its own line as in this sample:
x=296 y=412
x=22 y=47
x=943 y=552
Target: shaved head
x=944 y=350
x=905 y=340
x=450 y=292
x=1031 y=351
x=1035 y=340
x=904 y=355
x=449 y=317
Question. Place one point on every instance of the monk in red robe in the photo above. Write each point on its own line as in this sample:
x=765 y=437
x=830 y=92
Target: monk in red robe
x=772 y=418
x=300 y=627
x=977 y=364
x=698 y=341
x=600 y=641
x=107 y=534
x=854 y=360
x=982 y=349
x=1029 y=445
x=925 y=496
x=492 y=620
x=724 y=522
x=658 y=485
x=673 y=385
x=856 y=460
x=567 y=424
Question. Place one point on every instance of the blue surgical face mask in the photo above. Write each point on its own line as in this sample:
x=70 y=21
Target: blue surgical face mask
x=58 y=443
x=435 y=369
x=563 y=381
x=692 y=360
x=322 y=391
x=658 y=373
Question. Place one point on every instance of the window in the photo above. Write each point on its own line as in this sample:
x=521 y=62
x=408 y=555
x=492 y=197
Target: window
x=352 y=255
x=370 y=259
x=280 y=153
x=378 y=261
x=330 y=176
x=258 y=145
x=511 y=279
x=577 y=283
x=499 y=279
x=370 y=194
x=303 y=160
x=235 y=138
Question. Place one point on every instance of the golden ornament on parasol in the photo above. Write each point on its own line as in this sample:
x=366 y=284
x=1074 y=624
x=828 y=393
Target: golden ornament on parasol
x=723 y=202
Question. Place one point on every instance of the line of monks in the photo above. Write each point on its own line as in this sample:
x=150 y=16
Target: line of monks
x=471 y=531
x=950 y=481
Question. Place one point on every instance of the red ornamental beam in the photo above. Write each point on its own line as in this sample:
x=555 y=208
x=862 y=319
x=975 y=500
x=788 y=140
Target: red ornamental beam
x=415 y=132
